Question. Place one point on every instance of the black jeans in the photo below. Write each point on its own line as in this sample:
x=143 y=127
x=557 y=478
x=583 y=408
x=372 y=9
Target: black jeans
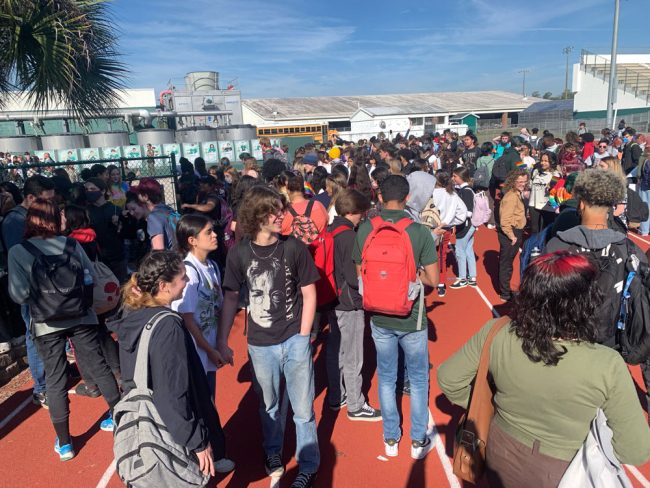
x=109 y=351
x=645 y=372
x=507 y=254
x=51 y=349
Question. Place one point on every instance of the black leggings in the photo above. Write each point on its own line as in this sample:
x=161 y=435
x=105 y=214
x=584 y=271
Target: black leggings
x=51 y=349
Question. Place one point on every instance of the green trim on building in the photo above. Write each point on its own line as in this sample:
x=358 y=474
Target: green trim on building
x=601 y=114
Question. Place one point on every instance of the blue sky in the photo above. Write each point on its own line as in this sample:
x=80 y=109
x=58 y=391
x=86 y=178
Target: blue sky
x=314 y=48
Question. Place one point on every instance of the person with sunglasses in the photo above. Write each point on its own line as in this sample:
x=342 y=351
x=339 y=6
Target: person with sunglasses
x=602 y=151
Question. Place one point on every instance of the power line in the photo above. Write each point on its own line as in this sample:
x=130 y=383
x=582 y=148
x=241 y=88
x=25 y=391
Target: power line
x=523 y=84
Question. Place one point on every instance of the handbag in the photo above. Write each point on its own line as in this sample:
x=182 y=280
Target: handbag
x=595 y=464
x=106 y=292
x=472 y=434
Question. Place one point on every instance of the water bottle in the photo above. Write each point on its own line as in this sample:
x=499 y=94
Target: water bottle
x=535 y=253
x=88 y=288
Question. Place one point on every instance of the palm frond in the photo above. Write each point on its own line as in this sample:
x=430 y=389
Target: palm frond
x=61 y=51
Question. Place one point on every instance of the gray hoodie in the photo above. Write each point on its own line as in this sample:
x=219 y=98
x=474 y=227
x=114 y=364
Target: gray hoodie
x=421 y=187
x=582 y=238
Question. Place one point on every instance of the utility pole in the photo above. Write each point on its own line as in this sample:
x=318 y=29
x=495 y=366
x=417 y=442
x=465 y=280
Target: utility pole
x=613 y=84
x=523 y=84
x=567 y=50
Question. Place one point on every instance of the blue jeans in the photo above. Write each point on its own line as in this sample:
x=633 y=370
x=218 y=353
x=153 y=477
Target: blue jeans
x=465 y=255
x=416 y=358
x=644 y=193
x=291 y=358
x=36 y=367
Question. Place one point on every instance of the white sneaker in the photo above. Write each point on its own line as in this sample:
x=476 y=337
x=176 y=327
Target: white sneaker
x=419 y=449
x=224 y=465
x=491 y=226
x=391 y=447
x=5 y=347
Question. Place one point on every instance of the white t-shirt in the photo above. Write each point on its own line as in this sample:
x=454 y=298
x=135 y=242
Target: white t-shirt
x=202 y=296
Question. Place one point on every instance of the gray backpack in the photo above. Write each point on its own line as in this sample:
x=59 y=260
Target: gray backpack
x=146 y=454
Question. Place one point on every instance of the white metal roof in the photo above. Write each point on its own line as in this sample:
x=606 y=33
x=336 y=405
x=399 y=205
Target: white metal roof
x=346 y=106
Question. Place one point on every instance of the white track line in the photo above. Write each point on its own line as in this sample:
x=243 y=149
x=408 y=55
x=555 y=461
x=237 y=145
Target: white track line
x=108 y=474
x=640 y=478
x=631 y=234
x=487 y=302
x=442 y=454
x=15 y=412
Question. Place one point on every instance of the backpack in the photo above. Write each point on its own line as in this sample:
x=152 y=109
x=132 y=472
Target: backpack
x=57 y=288
x=106 y=292
x=482 y=177
x=389 y=283
x=172 y=217
x=500 y=169
x=481 y=212
x=146 y=454
x=430 y=215
x=644 y=178
x=535 y=241
x=633 y=325
x=303 y=227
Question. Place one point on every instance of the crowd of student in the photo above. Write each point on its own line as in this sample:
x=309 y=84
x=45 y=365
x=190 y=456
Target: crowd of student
x=315 y=243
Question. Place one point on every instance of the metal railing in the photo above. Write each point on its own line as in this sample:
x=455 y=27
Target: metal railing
x=629 y=80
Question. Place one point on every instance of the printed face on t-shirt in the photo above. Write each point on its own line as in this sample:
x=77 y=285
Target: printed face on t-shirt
x=265 y=295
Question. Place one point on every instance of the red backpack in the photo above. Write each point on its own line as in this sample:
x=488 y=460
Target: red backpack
x=321 y=248
x=388 y=268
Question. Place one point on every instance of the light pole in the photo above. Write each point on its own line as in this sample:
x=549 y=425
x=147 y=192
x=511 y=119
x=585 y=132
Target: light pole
x=523 y=83
x=611 y=93
x=567 y=50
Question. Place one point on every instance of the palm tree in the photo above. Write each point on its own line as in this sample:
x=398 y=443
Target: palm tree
x=60 y=51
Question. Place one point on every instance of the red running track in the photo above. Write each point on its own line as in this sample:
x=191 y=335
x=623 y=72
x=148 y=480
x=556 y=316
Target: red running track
x=350 y=451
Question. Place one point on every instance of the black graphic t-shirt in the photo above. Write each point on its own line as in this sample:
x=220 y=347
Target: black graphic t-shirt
x=274 y=276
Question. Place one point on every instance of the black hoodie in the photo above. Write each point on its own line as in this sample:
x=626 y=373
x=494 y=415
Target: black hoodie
x=345 y=271
x=176 y=377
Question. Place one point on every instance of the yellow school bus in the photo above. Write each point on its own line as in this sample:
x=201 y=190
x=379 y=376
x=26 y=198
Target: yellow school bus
x=315 y=131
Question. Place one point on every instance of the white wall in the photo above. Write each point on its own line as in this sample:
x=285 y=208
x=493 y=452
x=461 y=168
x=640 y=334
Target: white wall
x=592 y=93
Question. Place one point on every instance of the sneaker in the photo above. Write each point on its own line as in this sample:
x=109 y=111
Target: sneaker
x=273 y=465
x=83 y=390
x=18 y=341
x=491 y=226
x=304 y=480
x=391 y=447
x=458 y=284
x=5 y=347
x=107 y=424
x=506 y=297
x=224 y=465
x=442 y=290
x=65 y=452
x=406 y=389
x=365 y=414
x=338 y=406
x=419 y=449
x=472 y=282
x=40 y=399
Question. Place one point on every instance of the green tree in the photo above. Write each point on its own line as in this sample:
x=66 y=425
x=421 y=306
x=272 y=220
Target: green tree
x=536 y=94
x=60 y=51
x=547 y=96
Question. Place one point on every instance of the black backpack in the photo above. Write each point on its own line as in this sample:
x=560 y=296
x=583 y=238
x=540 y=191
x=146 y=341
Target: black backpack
x=57 y=289
x=500 y=170
x=633 y=326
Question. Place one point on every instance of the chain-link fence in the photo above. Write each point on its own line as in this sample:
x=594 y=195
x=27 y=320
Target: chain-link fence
x=162 y=168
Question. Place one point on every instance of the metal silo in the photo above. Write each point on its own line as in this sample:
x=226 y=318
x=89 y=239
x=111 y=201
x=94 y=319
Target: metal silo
x=62 y=141
x=202 y=81
x=108 y=139
x=155 y=136
x=196 y=134
x=236 y=132
x=19 y=144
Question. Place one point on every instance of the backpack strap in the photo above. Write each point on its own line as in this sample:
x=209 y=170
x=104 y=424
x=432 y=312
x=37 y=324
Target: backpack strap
x=310 y=205
x=292 y=211
x=339 y=230
x=403 y=223
x=32 y=249
x=141 y=372
x=191 y=265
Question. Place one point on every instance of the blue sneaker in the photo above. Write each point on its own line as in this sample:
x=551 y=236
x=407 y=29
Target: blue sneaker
x=107 y=424
x=65 y=452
